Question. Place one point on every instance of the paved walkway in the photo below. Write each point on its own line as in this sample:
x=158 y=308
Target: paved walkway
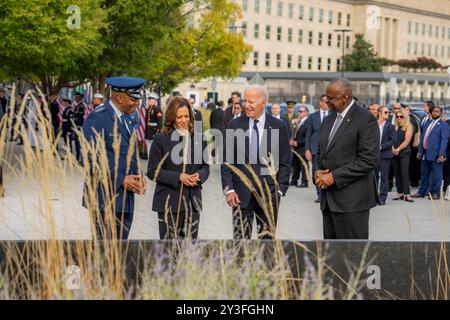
x=29 y=208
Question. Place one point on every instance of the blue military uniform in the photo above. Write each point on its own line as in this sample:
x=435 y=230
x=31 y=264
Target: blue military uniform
x=103 y=121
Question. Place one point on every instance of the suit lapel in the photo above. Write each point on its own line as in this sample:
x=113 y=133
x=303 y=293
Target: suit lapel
x=342 y=127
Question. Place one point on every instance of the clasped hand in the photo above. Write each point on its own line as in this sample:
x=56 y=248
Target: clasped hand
x=135 y=183
x=323 y=178
x=189 y=180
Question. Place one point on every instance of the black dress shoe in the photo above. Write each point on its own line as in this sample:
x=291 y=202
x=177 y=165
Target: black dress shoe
x=293 y=183
x=317 y=201
x=417 y=195
x=303 y=185
x=402 y=197
x=382 y=203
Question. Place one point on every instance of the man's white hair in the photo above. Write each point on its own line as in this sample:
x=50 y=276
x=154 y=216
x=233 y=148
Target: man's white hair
x=261 y=89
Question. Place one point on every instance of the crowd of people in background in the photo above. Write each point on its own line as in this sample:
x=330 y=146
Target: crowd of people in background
x=414 y=151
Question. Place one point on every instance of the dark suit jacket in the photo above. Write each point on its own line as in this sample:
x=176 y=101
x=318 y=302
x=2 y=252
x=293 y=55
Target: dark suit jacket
x=300 y=137
x=388 y=140
x=313 y=132
x=437 y=141
x=228 y=115
x=352 y=155
x=217 y=120
x=167 y=177
x=231 y=181
x=102 y=120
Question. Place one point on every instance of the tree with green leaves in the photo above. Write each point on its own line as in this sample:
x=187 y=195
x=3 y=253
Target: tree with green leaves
x=363 y=57
x=164 y=41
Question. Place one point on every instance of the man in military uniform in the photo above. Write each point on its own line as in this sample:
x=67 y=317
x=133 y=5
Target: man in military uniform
x=291 y=118
x=114 y=123
x=67 y=122
x=154 y=118
x=78 y=118
x=97 y=100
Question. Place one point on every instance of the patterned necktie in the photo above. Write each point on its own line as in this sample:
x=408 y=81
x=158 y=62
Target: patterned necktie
x=254 y=143
x=323 y=117
x=127 y=122
x=335 y=128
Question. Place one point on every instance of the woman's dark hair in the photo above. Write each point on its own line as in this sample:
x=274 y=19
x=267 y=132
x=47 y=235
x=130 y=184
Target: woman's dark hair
x=171 y=113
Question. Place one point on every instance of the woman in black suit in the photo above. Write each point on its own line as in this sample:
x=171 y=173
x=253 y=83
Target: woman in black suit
x=178 y=167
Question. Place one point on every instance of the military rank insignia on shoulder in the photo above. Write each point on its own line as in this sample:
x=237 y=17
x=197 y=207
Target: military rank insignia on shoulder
x=99 y=108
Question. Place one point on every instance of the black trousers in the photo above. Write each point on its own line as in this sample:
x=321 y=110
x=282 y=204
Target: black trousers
x=414 y=168
x=123 y=222
x=354 y=225
x=400 y=165
x=297 y=168
x=382 y=176
x=266 y=222
x=181 y=225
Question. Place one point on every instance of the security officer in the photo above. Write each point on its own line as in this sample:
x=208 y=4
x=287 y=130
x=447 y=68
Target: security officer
x=115 y=198
x=67 y=121
x=78 y=115
x=154 y=117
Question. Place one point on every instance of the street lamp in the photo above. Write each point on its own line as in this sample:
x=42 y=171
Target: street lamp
x=344 y=31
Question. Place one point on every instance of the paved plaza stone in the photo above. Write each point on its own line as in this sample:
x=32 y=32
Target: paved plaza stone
x=25 y=215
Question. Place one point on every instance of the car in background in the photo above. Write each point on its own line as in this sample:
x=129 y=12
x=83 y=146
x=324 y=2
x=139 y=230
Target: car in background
x=283 y=107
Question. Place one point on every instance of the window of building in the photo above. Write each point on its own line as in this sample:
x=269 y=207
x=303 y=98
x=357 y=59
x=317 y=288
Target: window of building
x=300 y=12
x=311 y=14
x=329 y=64
x=244 y=28
x=256 y=3
x=347 y=42
x=348 y=19
x=280 y=8
x=279 y=33
x=339 y=18
x=330 y=17
x=443 y=32
x=289 y=34
x=448 y=35
x=289 y=61
x=408 y=48
x=255 y=58
x=309 y=63
x=256 y=31
x=338 y=64
x=430 y=30
x=245 y=5
x=409 y=27
x=416 y=29
x=442 y=51
x=415 y=48
x=330 y=39
x=422 y=51
x=429 y=49
x=320 y=38
x=269 y=7
x=291 y=10
x=436 y=50
x=300 y=36
x=278 y=60
x=310 y=37
x=437 y=31
x=339 y=41
x=320 y=15
x=267 y=32
x=423 y=29
x=300 y=61
x=319 y=64
x=267 y=63
x=448 y=52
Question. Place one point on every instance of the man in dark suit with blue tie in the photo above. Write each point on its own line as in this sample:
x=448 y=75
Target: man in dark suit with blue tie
x=349 y=151
x=313 y=125
x=256 y=168
x=112 y=123
x=433 y=152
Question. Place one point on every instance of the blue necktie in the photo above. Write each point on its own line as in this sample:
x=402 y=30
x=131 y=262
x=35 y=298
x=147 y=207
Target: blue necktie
x=129 y=126
x=254 y=143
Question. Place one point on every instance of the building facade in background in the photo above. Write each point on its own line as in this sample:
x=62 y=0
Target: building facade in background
x=295 y=44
